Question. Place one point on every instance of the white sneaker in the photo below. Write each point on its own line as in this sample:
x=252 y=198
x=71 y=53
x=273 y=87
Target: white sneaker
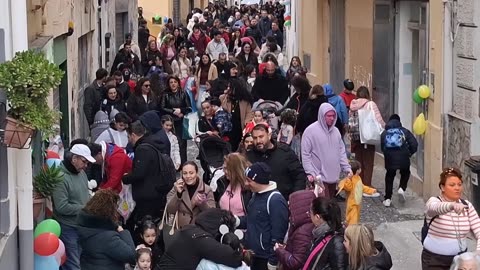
x=387 y=202
x=401 y=192
x=374 y=195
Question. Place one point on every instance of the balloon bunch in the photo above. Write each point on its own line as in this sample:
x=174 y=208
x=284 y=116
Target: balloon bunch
x=52 y=159
x=49 y=249
x=420 y=124
x=287 y=16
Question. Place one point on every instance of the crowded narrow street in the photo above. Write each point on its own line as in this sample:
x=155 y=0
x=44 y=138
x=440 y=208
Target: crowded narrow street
x=249 y=134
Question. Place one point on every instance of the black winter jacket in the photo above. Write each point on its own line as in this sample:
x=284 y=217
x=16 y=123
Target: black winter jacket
x=334 y=256
x=103 y=248
x=398 y=158
x=136 y=105
x=93 y=97
x=128 y=60
x=172 y=100
x=108 y=105
x=382 y=261
x=222 y=185
x=151 y=120
x=274 y=89
x=287 y=171
x=309 y=113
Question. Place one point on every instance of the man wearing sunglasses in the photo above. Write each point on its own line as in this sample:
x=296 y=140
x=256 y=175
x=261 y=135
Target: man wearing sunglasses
x=69 y=197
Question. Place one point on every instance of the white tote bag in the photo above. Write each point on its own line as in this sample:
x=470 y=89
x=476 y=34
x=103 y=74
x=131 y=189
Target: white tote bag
x=370 y=129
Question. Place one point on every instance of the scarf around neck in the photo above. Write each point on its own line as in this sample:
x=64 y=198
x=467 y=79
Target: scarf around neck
x=321 y=230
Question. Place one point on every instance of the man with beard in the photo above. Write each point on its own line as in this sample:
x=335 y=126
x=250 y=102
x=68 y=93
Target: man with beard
x=121 y=85
x=287 y=171
x=254 y=32
x=126 y=58
x=271 y=85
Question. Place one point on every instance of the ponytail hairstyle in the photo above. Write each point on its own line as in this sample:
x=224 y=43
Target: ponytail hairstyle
x=232 y=240
x=362 y=245
x=329 y=211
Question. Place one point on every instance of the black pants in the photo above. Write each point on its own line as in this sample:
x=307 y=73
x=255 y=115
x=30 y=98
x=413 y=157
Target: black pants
x=259 y=264
x=390 y=177
x=432 y=261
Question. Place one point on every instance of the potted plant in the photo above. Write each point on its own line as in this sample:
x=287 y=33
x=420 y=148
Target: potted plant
x=44 y=183
x=28 y=80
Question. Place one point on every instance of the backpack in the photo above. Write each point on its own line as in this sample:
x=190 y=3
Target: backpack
x=394 y=138
x=167 y=170
x=426 y=226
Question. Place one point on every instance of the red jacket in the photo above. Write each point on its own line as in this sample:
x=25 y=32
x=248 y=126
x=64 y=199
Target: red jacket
x=117 y=163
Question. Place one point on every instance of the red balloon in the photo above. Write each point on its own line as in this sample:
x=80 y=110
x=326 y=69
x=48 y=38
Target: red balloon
x=64 y=259
x=46 y=244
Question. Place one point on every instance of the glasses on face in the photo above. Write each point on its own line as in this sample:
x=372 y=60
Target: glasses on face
x=84 y=161
x=146 y=85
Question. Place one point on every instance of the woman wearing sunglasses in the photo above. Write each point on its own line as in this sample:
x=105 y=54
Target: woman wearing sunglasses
x=142 y=100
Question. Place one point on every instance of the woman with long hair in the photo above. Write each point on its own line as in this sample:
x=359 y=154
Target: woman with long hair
x=168 y=49
x=328 y=251
x=246 y=56
x=97 y=223
x=113 y=101
x=151 y=53
x=176 y=103
x=231 y=193
x=206 y=71
x=235 y=41
x=299 y=98
x=179 y=39
x=363 y=251
x=308 y=113
x=142 y=100
x=181 y=63
x=296 y=68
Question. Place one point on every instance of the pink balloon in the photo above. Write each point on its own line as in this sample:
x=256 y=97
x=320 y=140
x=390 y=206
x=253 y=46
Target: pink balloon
x=60 y=252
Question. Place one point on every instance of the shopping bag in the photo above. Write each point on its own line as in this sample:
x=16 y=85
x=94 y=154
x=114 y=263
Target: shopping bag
x=190 y=122
x=370 y=129
x=126 y=202
x=168 y=229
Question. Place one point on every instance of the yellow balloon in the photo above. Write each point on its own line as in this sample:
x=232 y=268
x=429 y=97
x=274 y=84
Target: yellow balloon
x=420 y=125
x=423 y=91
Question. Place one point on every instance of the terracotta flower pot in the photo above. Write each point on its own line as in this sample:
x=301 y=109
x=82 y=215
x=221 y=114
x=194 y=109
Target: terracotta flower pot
x=17 y=134
x=38 y=204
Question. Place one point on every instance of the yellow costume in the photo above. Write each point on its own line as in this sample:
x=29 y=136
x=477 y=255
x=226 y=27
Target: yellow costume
x=354 y=189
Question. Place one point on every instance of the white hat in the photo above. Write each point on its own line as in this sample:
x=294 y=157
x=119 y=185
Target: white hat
x=83 y=151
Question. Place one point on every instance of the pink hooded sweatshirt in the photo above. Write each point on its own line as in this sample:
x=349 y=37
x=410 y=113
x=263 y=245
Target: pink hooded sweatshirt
x=323 y=150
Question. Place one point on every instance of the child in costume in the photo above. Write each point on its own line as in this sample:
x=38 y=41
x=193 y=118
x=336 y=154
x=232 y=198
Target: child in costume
x=354 y=188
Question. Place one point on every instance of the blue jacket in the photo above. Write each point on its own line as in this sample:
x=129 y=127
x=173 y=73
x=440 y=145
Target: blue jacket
x=337 y=102
x=265 y=227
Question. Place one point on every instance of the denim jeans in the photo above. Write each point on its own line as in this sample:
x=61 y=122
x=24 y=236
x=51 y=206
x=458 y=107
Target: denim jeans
x=69 y=237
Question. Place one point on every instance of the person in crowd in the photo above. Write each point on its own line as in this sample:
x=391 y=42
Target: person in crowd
x=225 y=34
x=134 y=47
x=94 y=94
x=176 y=103
x=201 y=240
x=221 y=65
x=190 y=87
x=398 y=145
x=205 y=124
x=347 y=94
x=216 y=46
x=254 y=31
x=287 y=171
x=158 y=75
x=288 y=118
x=222 y=119
x=259 y=117
x=339 y=105
x=181 y=64
x=179 y=38
x=235 y=41
x=308 y=112
x=168 y=49
x=296 y=68
x=113 y=101
x=126 y=58
x=69 y=197
x=363 y=251
x=231 y=193
x=323 y=151
x=121 y=85
x=299 y=98
x=293 y=255
x=142 y=100
x=265 y=25
x=246 y=144
x=190 y=196
x=105 y=244
x=237 y=101
x=117 y=132
x=152 y=122
x=143 y=36
x=206 y=71
x=246 y=56
x=450 y=219
x=167 y=29
x=143 y=259
x=276 y=33
x=149 y=238
x=151 y=177
x=271 y=85
x=250 y=76
x=268 y=57
x=364 y=153
x=199 y=39
x=327 y=250
x=466 y=261
x=151 y=53
x=266 y=221
x=167 y=123
x=353 y=185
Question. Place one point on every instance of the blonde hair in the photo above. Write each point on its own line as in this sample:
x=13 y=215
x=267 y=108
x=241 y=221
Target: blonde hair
x=362 y=245
x=236 y=164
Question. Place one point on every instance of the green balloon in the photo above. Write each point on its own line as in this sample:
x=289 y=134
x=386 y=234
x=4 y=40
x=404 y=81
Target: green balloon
x=416 y=97
x=48 y=226
x=157 y=17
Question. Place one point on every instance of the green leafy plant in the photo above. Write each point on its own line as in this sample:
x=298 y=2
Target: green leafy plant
x=47 y=180
x=28 y=80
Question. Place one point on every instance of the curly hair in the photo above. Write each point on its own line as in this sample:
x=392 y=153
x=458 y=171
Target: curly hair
x=289 y=117
x=104 y=204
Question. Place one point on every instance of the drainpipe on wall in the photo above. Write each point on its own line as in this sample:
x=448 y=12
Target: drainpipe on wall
x=24 y=156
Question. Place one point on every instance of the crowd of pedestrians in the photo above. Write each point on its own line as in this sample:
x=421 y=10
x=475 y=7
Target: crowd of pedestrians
x=271 y=200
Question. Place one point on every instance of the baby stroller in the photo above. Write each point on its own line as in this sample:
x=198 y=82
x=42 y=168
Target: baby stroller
x=270 y=108
x=212 y=150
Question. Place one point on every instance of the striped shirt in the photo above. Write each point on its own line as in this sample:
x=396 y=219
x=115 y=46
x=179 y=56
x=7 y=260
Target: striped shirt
x=449 y=225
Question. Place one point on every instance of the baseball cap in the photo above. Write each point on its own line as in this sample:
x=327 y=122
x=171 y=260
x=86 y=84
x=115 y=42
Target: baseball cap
x=259 y=172
x=83 y=151
x=348 y=84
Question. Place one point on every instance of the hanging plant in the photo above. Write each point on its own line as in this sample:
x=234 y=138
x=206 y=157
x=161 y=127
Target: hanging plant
x=28 y=80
